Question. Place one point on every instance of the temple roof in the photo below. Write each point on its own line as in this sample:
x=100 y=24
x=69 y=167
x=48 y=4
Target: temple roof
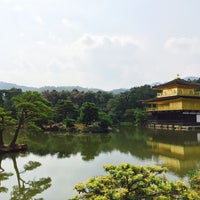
x=177 y=82
x=149 y=101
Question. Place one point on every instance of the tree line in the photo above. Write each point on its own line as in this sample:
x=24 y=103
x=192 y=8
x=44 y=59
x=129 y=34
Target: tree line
x=72 y=104
x=63 y=110
x=117 y=107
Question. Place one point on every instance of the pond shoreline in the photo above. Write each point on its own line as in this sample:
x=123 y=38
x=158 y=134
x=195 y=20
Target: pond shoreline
x=17 y=148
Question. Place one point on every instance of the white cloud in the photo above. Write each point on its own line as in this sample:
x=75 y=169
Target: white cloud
x=91 y=60
x=18 y=8
x=183 y=45
x=106 y=50
x=102 y=57
x=69 y=24
x=94 y=41
x=45 y=42
x=38 y=19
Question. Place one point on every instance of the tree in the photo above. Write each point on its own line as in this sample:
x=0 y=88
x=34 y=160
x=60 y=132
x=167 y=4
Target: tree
x=64 y=109
x=51 y=96
x=69 y=122
x=90 y=96
x=30 y=107
x=129 y=115
x=5 y=120
x=102 y=99
x=27 y=190
x=121 y=106
x=117 y=106
x=24 y=189
x=6 y=99
x=130 y=182
x=104 y=120
x=140 y=116
x=88 y=113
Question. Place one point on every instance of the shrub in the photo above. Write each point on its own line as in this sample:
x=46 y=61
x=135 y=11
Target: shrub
x=129 y=182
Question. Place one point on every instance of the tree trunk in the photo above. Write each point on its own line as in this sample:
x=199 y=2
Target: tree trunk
x=16 y=170
x=1 y=139
x=20 y=122
x=1 y=168
x=13 y=142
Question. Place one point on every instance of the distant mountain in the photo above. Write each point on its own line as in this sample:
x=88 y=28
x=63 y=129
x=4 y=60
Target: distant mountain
x=154 y=84
x=118 y=91
x=7 y=86
x=68 y=88
x=192 y=78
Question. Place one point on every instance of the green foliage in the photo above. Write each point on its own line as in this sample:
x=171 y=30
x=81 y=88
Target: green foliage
x=104 y=120
x=130 y=182
x=31 y=107
x=140 y=116
x=126 y=124
x=64 y=109
x=136 y=116
x=88 y=113
x=34 y=188
x=195 y=181
x=129 y=115
x=6 y=99
x=3 y=189
x=4 y=176
x=126 y=106
x=5 y=119
x=33 y=127
x=120 y=107
x=27 y=190
x=31 y=165
x=117 y=106
x=69 y=122
x=84 y=107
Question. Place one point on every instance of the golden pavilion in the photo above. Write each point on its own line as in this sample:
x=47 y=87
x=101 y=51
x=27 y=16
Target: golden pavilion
x=176 y=106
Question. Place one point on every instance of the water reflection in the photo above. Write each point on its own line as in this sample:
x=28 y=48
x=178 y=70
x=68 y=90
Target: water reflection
x=126 y=140
x=24 y=189
x=3 y=177
x=179 y=151
x=69 y=159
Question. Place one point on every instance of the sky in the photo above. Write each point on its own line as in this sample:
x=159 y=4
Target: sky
x=105 y=44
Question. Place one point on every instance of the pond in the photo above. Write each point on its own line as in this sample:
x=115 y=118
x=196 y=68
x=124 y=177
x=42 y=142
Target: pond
x=54 y=163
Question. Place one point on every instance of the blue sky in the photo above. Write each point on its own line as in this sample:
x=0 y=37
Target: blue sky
x=105 y=44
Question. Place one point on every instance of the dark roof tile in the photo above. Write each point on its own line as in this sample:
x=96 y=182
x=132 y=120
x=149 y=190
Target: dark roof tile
x=175 y=82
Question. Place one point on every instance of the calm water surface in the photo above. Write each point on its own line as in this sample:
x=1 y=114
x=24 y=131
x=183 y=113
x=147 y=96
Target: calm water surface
x=58 y=162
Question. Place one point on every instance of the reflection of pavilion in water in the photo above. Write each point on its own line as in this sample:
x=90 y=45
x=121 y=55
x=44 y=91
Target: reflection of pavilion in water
x=178 y=152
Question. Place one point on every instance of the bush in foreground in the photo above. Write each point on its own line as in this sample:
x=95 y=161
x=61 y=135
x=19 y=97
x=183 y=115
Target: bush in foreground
x=129 y=182
x=195 y=181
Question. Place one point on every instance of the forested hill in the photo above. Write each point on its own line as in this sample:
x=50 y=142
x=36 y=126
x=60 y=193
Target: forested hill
x=7 y=86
